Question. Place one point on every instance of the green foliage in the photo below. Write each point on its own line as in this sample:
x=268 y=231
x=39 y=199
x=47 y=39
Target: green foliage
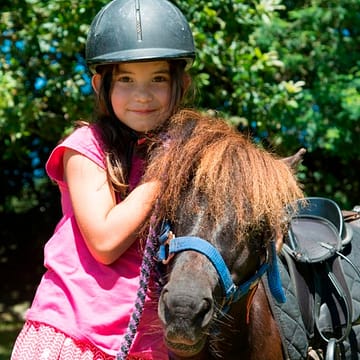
x=233 y=74
x=319 y=43
x=40 y=90
x=286 y=71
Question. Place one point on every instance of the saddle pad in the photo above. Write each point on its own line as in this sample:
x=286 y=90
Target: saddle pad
x=288 y=315
x=352 y=251
x=288 y=318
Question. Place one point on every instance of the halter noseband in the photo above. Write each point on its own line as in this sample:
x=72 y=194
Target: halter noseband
x=170 y=245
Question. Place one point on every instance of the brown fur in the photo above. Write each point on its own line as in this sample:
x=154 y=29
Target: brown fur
x=204 y=155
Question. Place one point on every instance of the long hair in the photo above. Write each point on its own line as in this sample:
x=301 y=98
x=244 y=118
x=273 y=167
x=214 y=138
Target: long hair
x=204 y=160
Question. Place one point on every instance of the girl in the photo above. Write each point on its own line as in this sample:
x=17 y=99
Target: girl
x=139 y=52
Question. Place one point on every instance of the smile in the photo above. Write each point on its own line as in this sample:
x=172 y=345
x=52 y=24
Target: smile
x=143 y=111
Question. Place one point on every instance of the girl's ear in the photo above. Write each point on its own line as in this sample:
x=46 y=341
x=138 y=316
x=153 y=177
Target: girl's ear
x=96 y=82
x=186 y=81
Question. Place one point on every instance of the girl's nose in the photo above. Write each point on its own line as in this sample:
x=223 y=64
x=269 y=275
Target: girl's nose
x=143 y=93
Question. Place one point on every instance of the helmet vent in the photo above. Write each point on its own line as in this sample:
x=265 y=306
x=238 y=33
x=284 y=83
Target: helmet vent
x=138 y=21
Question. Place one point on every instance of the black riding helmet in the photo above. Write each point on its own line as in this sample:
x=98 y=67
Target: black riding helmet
x=139 y=30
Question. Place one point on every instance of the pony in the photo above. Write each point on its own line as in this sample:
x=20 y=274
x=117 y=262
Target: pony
x=219 y=188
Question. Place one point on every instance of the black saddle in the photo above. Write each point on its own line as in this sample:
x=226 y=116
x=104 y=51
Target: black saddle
x=322 y=284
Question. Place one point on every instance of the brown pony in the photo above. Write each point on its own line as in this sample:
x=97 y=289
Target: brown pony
x=217 y=185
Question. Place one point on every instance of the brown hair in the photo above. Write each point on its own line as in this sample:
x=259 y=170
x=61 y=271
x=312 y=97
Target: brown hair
x=118 y=139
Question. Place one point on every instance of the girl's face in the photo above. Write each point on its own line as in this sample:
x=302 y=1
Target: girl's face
x=141 y=94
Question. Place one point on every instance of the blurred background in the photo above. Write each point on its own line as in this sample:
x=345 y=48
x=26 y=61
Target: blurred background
x=286 y=72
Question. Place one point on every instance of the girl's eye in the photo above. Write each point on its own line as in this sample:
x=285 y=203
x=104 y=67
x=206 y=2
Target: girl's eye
x=125 y=79
x=160 y=78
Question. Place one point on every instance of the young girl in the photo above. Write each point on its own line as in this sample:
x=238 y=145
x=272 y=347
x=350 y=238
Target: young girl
x=139 y=52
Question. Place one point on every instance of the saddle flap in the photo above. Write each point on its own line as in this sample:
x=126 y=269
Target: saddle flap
x=334 y=298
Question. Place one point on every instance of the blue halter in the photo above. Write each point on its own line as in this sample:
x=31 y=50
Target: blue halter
x=232 y=292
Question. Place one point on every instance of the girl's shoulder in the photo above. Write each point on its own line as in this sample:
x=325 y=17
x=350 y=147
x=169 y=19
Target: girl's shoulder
x=84 y=140
x=83 y=137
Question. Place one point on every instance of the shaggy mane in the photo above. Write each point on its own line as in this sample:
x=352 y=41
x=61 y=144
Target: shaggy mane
x=203 y=158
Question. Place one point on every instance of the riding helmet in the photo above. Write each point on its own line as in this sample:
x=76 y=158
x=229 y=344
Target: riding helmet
x=139 y=30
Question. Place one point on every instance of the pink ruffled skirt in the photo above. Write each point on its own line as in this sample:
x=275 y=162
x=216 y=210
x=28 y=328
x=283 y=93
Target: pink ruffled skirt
x=38 y=341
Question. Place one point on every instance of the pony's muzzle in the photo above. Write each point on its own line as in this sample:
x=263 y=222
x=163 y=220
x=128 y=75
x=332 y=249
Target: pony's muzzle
x=184 y=315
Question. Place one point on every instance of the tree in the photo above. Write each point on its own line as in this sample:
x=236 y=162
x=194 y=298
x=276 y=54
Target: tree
x=288 y=72
x=44 y=86
x=319 y=43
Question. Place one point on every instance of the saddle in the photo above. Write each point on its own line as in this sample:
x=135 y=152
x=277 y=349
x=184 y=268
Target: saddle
x=321 y=318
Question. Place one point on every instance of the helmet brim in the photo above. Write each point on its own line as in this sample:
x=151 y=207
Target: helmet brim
x=136 y=55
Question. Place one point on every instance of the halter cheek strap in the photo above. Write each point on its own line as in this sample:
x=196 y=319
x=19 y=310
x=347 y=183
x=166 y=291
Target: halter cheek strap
x=273 y=275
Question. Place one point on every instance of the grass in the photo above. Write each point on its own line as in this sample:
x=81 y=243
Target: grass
x=11 y=322
x=8 y=333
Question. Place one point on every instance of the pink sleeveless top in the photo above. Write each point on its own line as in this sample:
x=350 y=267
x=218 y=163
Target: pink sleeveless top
x=81 y=297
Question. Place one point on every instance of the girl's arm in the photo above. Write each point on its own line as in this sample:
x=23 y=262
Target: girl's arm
x=108 y=228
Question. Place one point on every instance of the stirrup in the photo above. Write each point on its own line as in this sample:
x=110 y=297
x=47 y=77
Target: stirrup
x=332 y=350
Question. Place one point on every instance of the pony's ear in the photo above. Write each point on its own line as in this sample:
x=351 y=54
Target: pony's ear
x=293 y=161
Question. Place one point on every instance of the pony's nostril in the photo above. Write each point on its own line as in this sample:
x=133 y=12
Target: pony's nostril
x=205 y=306
x=163 y=308
x=205 y=312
